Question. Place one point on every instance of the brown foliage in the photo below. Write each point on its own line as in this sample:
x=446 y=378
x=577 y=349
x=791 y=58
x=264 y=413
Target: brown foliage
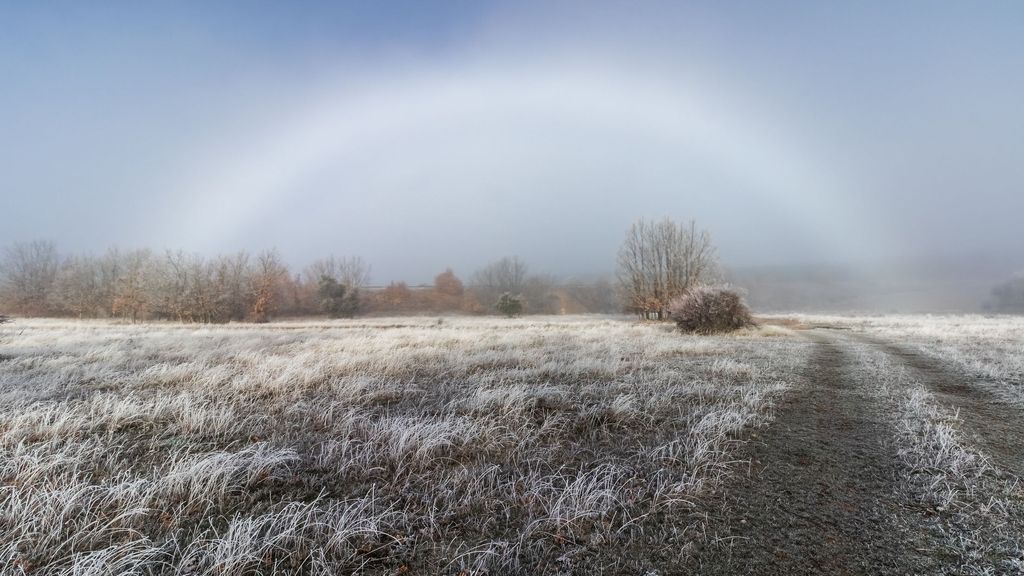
x=448 y=284
x=709 y=310
x=268 y=282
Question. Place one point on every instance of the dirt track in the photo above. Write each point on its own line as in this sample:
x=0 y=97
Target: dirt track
x=992 y=425
x=822 y=495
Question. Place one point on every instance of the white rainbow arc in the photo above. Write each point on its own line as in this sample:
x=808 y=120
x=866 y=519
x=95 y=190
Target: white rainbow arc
x=343 y=126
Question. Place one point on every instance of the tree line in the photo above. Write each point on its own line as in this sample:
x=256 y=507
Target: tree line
x=135 y=285
x=658 y=262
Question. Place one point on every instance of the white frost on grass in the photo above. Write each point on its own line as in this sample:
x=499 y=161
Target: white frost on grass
x=329 y=447
x=990 y=348
x=981 y=507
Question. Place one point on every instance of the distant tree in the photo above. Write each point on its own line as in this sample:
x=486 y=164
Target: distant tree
x=446 y=295
x=448 y=284
x=505 y=275
x=1008 y=297
x=268 y=275
x=540 y=295
x=395 y=297
x=168 y=285
x=295 y=297
x=594 y=296
x=338 y=300
x=78 y=289
x=108 y=271
x=350 y=271
x=28 y=276
x=661 y=261
x=508 y=274
x=231 y=281
x=130 y=296
x=509 y=305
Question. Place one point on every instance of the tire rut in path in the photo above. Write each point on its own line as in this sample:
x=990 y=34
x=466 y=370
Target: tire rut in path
x=992 y=424
x=820 y=497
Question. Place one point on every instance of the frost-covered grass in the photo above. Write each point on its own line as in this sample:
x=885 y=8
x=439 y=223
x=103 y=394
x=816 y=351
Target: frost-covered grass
x=979 y=507
x=386 y=446
x=990 y=348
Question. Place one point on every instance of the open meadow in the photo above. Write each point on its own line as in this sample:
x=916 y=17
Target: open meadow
x=384 y=446
x=554 y=445
x=396 y=288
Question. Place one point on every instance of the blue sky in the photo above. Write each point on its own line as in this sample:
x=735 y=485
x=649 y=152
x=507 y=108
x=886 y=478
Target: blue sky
x=424 y=135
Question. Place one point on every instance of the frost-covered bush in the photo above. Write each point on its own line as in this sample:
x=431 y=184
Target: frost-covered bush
x=708 y=309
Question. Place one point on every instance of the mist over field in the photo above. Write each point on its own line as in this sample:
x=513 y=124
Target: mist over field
x=475 y=288
x=817 y=144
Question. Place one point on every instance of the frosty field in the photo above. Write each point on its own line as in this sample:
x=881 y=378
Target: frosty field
x=546 y=445
x=385 y=446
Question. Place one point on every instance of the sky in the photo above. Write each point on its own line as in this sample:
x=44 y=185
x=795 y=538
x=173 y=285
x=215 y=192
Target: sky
x=423 y=135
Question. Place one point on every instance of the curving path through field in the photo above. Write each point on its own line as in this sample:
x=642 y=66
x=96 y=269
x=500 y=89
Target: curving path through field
x=821 y=494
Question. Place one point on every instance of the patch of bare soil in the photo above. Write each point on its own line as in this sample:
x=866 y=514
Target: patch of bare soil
x=990 y=423
x=821 y=494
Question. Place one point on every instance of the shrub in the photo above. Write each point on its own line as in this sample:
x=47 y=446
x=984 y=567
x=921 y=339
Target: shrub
x=509 y=305
x=338 y=300
x=707 y=310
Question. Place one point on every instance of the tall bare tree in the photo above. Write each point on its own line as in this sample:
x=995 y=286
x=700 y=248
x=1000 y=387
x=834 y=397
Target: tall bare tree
x=659 y=261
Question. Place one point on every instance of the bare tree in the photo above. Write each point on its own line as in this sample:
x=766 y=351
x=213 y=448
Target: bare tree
x=660 y=261
x=268 y=276
x=232 y=281
x=597 y=295
x=28 y=276
x=351 y=271
x=130 y=294
x=167 y=286
x=109 y=270
x=540 y=295
x=78 y=287
x=507 y=275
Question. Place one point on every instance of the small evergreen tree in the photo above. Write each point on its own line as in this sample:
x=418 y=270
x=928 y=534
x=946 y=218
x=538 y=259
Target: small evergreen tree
x=509 y=305
x=336 y=299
